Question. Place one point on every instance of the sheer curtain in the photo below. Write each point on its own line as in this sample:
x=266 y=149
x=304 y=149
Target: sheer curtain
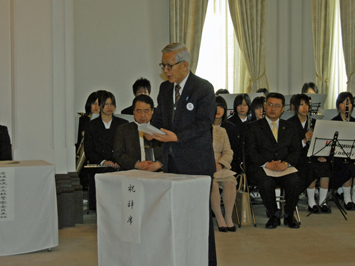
x=219 y=61
x=338 y=77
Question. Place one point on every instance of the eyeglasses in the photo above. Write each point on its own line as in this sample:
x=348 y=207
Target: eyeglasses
x=277 y=106
x=169 y=67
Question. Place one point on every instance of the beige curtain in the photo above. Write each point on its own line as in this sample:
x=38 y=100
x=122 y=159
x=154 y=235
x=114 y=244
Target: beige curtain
x=186 y=23
x=323 y=12
x=249 y=20
x=347 y=11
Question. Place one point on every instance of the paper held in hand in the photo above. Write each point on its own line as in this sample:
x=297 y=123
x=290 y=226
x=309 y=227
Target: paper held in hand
x=273 y=173
x=149 y=129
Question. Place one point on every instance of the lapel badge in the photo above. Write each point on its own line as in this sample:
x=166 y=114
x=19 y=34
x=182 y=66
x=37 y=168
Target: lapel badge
x=190 y=106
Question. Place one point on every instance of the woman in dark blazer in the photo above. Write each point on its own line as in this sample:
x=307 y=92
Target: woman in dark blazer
x=344 y=169
x=5 y=144
x=99 y=139
x=310 y=169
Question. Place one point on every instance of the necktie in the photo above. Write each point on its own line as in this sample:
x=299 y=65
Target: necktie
x=274 y=130
x=177 y=92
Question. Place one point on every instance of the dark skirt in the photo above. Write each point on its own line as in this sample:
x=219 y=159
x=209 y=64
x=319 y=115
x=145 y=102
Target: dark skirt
x=343 y=171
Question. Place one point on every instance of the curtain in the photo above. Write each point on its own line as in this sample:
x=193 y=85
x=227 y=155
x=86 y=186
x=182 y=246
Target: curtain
x=323 y=12
x=249 y=20
x=347 y=11
x=186 y=23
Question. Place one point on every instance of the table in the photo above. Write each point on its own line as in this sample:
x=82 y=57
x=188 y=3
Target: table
x=148 y=218
x=28 y=207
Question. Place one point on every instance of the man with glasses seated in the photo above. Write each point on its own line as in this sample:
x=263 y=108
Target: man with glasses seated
x=141 y=86
x=131 y=149
x=272 y=143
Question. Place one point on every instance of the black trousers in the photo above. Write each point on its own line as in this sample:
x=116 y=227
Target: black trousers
x=292 y=184
x=212 y=256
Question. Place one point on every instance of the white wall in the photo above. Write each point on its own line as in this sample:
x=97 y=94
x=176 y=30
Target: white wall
x=117 y=42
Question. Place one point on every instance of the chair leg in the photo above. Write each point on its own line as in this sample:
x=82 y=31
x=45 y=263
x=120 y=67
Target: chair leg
x=237 y=215
x=298 y=216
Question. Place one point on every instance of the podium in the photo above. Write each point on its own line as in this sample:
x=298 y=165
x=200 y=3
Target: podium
x=148 y=218
x=28 y=209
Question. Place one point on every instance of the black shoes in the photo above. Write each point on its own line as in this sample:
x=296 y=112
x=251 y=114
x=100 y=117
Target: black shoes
x=325 y=208
x=232 y=229
x=291 y=222
x=222 y=229
x=273 y=222
x=314 y=209
x=349 y=206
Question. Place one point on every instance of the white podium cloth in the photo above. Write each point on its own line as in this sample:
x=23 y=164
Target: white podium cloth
x=146 y=218
x=28 y=207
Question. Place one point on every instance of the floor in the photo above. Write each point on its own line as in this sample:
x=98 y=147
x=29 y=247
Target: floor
x=323 y=239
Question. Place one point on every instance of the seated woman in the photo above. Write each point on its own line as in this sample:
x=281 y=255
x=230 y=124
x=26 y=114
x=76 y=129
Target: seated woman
x=257 y=108
x=5 y=144
x=317 y=167
x=344 y=169
x=223 y=177
x=99 y=140
x=91 y=107
x=309 y=88
x=231 y=129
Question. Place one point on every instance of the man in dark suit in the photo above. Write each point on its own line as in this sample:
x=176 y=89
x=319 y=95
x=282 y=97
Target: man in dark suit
x=5 y=144
x=272 y=143
x=185 y=112
x=98 y=144
x=131 y=149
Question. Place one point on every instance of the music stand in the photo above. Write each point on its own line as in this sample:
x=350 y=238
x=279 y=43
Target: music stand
x=317 y=102
x=326 y=142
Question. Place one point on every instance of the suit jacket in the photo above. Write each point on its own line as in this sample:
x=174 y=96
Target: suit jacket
x=338 y=118
x=5 y=144
x=127 y=111
x=98 y=143
x=193 y=119
x=223 y=152
x=261 y=146
x=127 y=150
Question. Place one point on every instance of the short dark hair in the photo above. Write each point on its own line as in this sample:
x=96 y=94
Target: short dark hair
x=256 y=103
x=222 y=91
x=311 y=85
x=144 y=99
x=239 y=101
x=90 y=101
x=141 y=83
x=103 y=98
x=342 y=97
x=297 y=101
x=221 y=102
x=277 y=96
x=263 y=90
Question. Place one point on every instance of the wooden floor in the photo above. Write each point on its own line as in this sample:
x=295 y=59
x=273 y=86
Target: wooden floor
x=323 y=239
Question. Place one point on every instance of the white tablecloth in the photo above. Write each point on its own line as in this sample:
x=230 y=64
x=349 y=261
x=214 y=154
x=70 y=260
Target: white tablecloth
x=28 y=207
x=155 y=219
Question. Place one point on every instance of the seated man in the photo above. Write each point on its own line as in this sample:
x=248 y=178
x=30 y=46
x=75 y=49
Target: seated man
x=131 y=149
x=5 y=144
x=273 y=143
x=141 y=86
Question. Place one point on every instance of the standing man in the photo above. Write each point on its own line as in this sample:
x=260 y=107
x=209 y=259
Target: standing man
x=185 y=112
x=5 y=144
x=131 y=149
x=273 y=143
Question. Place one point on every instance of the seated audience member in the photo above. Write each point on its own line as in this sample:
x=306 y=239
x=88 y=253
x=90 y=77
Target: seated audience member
x=131 y=149
x=91 y=107
x=141 y=86
x=310 y=169
x=5 y=144
x=99 y=138
x=223 y=155
x=257 y=108
x=221 y=91
x=309 y=88
x=272 y=143
x=264 y=91
x=221 y=120
x=344 y=169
